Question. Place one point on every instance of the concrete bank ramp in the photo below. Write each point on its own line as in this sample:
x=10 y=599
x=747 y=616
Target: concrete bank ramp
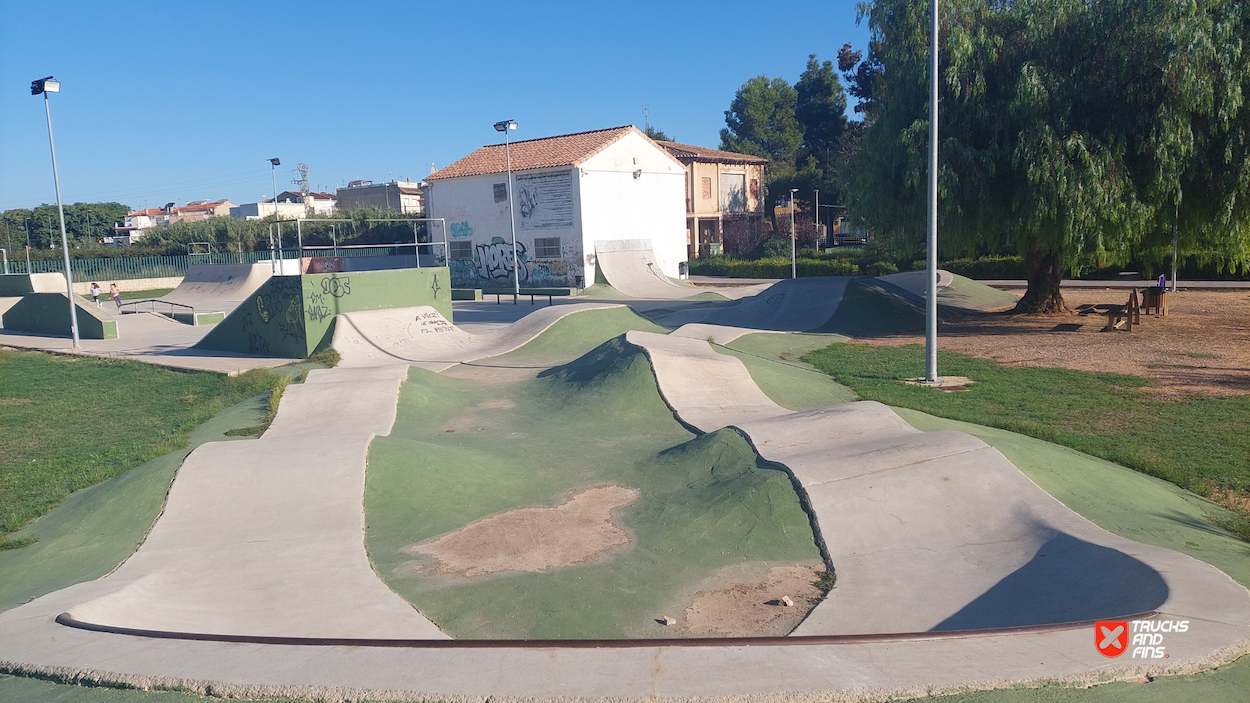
x=421 y=336
x=265 y=538
x=630 y=267
x=917 y=282
x=792 y=305
x=217 y=288
x=938 y=531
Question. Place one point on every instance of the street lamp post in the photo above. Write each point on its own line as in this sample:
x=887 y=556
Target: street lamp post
x=27 y=245
x=930 y=332
x=44 y=86
x=274 y=163
x=794 y=269
x=505 y=126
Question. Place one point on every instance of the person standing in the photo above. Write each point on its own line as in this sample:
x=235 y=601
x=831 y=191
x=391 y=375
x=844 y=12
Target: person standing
x=95 y=294
x=116 y=294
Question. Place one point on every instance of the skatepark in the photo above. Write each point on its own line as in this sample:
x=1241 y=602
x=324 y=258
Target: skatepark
x=611 y=496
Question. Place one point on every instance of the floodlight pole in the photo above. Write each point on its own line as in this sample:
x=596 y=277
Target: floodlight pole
x=930 y=331
x=56 y=177
x=504 y=126
x=794 y=268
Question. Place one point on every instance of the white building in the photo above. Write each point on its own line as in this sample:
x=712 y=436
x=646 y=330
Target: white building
x=571 y=191
x=256 y=211
x=314 y=203
x=401 y=196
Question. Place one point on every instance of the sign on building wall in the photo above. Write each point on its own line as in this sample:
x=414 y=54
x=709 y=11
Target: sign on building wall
x=545 y=201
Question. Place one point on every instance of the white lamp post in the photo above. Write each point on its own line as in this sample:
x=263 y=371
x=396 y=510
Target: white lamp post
x=794 y=269
x=274 y=163
x=505 y=126
x=44 y=86
x=930 y=327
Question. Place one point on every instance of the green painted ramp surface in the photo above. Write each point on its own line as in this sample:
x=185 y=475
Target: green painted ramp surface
x=48 y=313
x=293 y=316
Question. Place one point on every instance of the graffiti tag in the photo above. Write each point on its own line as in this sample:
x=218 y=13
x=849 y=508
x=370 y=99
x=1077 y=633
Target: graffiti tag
x=495 y=260
x=336 y=286
x=461 y=230
x=256 y=344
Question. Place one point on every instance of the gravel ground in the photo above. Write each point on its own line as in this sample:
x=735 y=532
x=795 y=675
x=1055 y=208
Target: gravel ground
x=1201 y=346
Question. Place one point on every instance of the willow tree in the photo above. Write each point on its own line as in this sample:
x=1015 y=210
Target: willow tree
x=1076 y=132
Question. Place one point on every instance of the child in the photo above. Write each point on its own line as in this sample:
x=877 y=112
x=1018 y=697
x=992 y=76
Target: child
x=116 y=294
x=95 y=294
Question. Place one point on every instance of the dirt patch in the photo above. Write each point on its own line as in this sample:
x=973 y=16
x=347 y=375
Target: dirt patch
x=1201 y=347
x=577 y=531
x=754 y=609
x=498 y=403
x=15 y=401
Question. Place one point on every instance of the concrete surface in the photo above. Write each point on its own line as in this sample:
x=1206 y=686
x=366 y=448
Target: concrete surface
x=791 y=305
x=939 y=525
x=636 y=273
x=421 y=336
x=265 y=537
x=217 y=287
x=917 y=282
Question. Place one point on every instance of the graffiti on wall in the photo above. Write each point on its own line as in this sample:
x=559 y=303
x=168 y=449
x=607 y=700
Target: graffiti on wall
x=276 y=315
x=317 y=308
x=494 y=260
x=461 y=230
x=545 y=201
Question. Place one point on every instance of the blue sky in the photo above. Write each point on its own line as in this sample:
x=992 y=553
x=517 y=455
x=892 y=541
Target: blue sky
x=175 y=101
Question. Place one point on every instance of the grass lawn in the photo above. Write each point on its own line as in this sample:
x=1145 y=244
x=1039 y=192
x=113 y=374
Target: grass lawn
x=68 y=422
x=1201 y=444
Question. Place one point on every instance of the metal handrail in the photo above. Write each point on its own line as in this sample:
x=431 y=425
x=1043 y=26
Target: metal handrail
x=153 y=301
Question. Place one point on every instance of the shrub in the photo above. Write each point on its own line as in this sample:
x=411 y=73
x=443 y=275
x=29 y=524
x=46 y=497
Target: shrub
x=987 y=267
x=775 y=248
x=776 y=267
x=880 y=268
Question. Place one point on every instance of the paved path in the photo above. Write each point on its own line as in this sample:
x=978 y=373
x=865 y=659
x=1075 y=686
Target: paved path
x=792 y=305
x=265 y=537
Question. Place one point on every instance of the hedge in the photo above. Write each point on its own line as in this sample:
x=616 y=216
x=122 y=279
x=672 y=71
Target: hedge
x=771 y=268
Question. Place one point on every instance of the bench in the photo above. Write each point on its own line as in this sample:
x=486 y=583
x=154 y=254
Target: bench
x=533 y=293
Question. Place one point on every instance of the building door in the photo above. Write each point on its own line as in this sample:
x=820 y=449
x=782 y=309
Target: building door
x=709 y=239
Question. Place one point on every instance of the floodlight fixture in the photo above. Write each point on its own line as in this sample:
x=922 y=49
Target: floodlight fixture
x=45 y=85
x=505 y=125
x=276 y=161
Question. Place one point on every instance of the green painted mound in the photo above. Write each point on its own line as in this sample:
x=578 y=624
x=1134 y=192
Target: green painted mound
x=774 y=362
x=699 y=513
x=573 y=336
x=966 y=295
x=872 y=308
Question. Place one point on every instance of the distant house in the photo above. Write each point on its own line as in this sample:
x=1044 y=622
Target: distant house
x=572 y=190
x=403 y=197
x=266 y=208
x=200 y=210
x=314 y=203
x=721 y=187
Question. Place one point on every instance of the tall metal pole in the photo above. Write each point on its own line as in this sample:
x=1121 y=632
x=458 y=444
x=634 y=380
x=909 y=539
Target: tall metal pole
x=516 y=262
x=816 y=218
x=930 y=331
x=27 y=245
x=273 y=173
x=69 y=276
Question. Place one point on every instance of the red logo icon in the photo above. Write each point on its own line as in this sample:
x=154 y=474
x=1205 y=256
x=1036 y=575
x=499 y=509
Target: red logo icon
x=1111 y=638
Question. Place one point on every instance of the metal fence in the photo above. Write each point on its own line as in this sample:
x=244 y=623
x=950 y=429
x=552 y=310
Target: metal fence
x=133 y=267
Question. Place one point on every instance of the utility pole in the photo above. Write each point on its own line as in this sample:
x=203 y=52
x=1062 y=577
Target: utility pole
x=930 y=331
x=45 y=86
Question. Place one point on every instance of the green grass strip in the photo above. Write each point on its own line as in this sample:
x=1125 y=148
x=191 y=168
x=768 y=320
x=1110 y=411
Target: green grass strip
x=1200 y=444
x=72 y=421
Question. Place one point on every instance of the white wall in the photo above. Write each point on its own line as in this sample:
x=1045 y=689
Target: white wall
x=469 y=207
x=616 y=205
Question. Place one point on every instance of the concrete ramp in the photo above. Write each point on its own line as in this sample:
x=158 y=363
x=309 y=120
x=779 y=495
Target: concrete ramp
x=630 y=267
x=938 y=531
x=48 y=313
x=421 y=336
x=792 y=305
x=207 y=294
x=263 y=537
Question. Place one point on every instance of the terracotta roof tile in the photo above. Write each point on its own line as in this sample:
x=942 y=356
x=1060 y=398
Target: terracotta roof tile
x=547 y=152
x=689 y=151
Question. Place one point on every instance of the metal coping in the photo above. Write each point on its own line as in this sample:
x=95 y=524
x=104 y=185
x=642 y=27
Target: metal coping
x=801 y=640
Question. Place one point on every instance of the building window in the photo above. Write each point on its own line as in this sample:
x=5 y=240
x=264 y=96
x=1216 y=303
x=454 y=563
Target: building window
x=547 y=248
x=755 y=189
x=460 y=251
x=707 y=188
x=501 y=192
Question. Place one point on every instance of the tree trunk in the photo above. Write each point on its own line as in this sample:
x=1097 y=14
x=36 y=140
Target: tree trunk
x=1044 y=274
